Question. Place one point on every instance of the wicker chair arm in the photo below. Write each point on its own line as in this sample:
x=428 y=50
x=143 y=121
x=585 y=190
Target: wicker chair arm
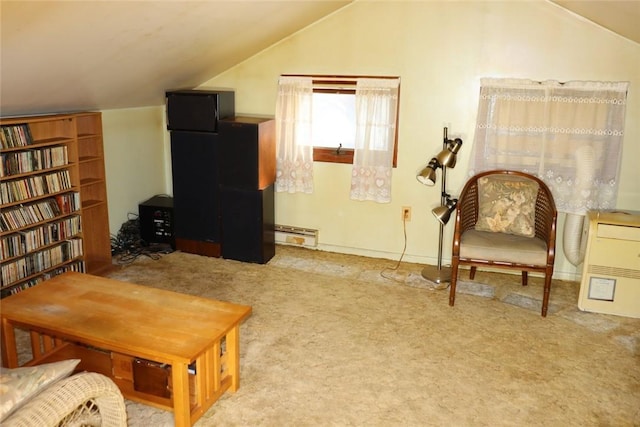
x=468 y=207
x=546 y=215
x=87 y=398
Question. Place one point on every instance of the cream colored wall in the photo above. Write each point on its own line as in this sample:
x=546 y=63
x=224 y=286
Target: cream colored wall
x=440 y=49
x=135 y=159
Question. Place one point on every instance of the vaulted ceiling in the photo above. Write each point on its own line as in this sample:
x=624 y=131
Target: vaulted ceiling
x=619 y=16
x=84 y=55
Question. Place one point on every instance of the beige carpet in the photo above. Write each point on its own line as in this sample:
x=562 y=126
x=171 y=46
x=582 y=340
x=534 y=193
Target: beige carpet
x=333 y=343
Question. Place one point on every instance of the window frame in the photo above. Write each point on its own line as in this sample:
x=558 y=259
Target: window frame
x=343 y=85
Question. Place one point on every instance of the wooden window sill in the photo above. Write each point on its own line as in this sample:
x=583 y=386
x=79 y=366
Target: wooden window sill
x=330 y=155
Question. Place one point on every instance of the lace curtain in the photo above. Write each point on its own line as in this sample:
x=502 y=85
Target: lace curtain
x=294 y=161
x=376 y=110
x=568 y=134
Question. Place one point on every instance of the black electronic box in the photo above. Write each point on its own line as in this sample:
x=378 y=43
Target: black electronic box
x=156 y=220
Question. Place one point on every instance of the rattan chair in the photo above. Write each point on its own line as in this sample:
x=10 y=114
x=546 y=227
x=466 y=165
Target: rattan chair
x=481 y=248
x=84 y=399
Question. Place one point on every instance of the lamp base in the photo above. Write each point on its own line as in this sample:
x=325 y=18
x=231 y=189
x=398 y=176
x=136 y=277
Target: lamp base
x=441 y=277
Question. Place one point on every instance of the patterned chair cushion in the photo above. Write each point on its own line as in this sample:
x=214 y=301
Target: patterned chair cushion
x=506 y=204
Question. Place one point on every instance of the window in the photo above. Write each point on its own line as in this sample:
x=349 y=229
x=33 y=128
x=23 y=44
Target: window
x=568 y=134
x=334 y=119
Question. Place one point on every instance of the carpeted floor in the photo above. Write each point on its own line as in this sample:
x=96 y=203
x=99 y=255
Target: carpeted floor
x=331 y=342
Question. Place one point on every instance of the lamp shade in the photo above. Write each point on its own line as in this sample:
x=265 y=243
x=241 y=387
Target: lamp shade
x=443 y=213
x=447 y=157
x=428 y=175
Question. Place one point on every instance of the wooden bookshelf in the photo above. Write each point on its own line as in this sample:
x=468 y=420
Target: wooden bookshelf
x=53 y=199
x=93 y=192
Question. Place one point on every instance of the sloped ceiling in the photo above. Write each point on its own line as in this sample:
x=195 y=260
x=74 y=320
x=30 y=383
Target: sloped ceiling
x=622 y=17
x=84 y=55
x=95 y=55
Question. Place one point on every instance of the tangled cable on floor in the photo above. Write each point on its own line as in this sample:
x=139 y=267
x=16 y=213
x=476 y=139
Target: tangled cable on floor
x=127 y=245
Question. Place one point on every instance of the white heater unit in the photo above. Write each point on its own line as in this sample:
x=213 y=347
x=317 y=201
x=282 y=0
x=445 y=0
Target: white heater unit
x=611 y=272
x=298 y=236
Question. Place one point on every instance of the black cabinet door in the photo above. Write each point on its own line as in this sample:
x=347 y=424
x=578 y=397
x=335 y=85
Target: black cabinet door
x=239 y=151
x=248 y=224
x=198 y=110
x=196 y=204
x=247 y=152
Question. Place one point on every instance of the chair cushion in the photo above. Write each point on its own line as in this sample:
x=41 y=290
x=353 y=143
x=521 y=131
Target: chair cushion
x=506 y=204
x=18 y=385
x=489 y=246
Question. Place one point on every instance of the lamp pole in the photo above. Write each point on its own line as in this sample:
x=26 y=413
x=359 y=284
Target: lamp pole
x=442 y=275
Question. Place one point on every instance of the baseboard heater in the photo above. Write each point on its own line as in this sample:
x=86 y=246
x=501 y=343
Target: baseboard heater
x=298 y=236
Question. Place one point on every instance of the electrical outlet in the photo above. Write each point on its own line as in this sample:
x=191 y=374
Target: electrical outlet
x=406 y=213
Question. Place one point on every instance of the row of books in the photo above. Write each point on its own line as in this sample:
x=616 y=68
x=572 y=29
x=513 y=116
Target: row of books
x=23 y=242
x=14 y=289
x=34 y=213
x=18 y=162
x=34 y=186
x=37 y=262
x=15 y=136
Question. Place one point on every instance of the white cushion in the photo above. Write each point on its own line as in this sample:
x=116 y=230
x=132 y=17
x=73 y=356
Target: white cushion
x=490 y=246
x=18 y=385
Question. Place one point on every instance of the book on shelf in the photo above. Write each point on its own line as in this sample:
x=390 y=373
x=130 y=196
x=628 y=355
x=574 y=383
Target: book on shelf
x=15 y=136
x=18 y=287
x=37 y=262
x=34 y=186
x=25 y=215
x=33 y=160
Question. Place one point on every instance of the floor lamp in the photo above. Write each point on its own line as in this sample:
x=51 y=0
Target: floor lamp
x=445 y=159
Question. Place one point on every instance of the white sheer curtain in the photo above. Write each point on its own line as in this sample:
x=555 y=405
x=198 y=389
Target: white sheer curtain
x=568 y=134
x=376 y=111
x=294 y=152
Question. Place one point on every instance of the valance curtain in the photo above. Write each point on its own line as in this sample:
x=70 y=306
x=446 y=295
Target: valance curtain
x=294 y=160
x=568 y=134
x=376 y=110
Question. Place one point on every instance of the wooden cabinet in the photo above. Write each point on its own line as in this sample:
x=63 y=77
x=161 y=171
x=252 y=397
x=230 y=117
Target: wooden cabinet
x=54 y=212
x=223 y=168
x=247 y=173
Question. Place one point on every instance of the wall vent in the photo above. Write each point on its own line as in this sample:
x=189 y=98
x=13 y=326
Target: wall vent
x=296 y=236
x=613 y=271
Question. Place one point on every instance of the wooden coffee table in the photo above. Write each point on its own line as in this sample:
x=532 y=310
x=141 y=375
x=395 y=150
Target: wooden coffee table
x=173 y=351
